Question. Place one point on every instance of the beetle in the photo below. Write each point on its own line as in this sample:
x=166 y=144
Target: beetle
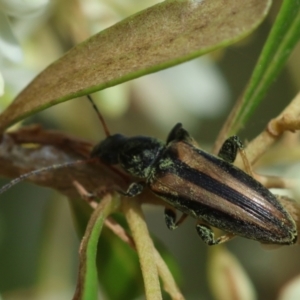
x=206 y=187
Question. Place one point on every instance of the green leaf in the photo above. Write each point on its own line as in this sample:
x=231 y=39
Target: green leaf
x=87 y=283
x=283 y=37
x=161 y=36
x=119 y=266
x=116 y=261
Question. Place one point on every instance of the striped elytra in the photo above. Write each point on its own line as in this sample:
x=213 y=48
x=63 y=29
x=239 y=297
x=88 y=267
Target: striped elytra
x=206 y=187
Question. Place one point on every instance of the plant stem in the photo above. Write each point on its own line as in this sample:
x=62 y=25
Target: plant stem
x=145 y=248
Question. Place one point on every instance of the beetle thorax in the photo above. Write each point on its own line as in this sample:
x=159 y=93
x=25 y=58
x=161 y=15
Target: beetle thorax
x=138 y=155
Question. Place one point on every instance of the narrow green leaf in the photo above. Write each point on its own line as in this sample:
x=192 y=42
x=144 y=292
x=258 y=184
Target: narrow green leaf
x=116 y=261
x=283 y=37
x=161 y=36
x=118 y=265
x=87 y=284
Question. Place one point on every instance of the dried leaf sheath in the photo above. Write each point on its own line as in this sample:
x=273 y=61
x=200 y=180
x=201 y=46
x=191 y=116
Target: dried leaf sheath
x=32 y=148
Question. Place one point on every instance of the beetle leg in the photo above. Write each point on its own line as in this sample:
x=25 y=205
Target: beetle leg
x=229 y=151
x=134 y=189
x=182 y=219
x=230 y=147
x=208 y=237
x=170 y=218
x=178 y=133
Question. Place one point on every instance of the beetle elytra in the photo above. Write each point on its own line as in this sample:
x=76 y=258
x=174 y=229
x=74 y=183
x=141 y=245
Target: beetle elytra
x=201 y=185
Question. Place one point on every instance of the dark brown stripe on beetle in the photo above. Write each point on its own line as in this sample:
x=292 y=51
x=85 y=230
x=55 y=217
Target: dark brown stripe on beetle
x=185 y=192
x=229 y=175
x=200 y=203
x=230 y=223
x=202 y=179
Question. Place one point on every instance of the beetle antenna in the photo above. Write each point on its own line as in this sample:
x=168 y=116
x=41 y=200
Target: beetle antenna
x=38 y=171
x=107 y=133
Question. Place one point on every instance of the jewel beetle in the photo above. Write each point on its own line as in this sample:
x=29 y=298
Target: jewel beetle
x=206 y=187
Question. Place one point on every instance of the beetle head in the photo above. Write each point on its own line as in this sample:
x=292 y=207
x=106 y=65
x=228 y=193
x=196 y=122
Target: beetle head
x=135 y=155
x=108 y=150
